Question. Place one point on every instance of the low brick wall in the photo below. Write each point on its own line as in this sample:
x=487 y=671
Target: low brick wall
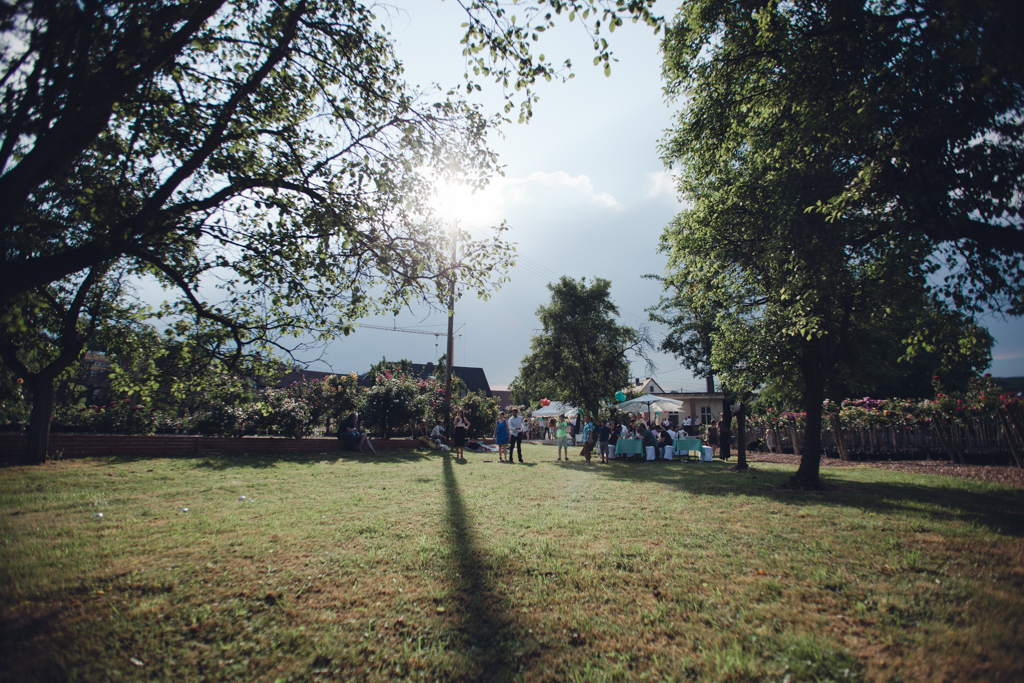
x=104 y=445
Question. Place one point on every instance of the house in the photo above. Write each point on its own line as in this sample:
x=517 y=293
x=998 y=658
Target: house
x=699 y=406
x=648 y=386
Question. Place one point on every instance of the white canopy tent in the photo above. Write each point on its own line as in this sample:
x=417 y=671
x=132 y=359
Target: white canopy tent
x=555 y=409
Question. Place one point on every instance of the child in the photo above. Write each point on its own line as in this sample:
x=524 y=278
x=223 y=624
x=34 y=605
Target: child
x=563 y=438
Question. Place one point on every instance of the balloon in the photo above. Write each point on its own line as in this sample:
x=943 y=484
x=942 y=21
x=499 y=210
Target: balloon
x=619 y=396
x=544 y=402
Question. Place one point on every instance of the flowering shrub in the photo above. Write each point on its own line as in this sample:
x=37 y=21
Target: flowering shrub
x=393 y=402
x=983 y=401
x=329 y=400
x=482 y=413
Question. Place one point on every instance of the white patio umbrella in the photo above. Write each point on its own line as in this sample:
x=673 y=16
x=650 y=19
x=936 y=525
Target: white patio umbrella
x=650 y=403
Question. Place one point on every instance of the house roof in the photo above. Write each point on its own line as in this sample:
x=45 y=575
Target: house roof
x=475 y=378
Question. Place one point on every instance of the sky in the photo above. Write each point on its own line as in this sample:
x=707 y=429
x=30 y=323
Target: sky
x=584 y=191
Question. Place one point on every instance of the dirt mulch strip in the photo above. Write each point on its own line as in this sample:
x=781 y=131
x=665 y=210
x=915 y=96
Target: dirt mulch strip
x=1010 y=476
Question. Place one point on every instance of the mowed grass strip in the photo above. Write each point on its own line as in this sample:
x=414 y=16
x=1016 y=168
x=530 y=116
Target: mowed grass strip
x=417 y=566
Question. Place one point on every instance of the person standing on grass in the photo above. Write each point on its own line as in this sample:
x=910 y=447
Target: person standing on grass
x=561 y=436
x=770 y=440
x=501 y=436
x=604 y=435
x=589 y=430
x=348 y=432
x=515 y=431
x=551 y=429
x=613 y=437
x=459 y=428
x=713 y=437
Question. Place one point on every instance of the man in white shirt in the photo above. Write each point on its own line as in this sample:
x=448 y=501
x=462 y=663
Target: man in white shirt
x=515 y=434
x=437 y=435
x=688 y=426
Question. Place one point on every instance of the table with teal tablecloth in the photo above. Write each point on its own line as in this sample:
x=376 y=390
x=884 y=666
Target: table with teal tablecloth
x=625 y=447
x=684 y=446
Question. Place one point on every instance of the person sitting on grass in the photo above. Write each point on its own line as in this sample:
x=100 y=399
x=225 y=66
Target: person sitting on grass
x=423 y=436
x=349 y=434
x=437 y=435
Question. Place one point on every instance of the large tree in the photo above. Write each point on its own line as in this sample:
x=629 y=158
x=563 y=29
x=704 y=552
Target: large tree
x=265 y=160
x=580 y=356
x=836 y=157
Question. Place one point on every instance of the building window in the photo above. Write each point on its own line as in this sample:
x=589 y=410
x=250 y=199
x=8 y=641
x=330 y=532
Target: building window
x=705 y=414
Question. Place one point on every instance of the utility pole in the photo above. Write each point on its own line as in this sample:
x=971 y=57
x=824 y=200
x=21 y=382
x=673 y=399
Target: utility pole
x=451 y=338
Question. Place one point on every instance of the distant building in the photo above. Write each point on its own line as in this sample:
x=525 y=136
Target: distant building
x=504 y=398
x=699 y=406
x=474 y=378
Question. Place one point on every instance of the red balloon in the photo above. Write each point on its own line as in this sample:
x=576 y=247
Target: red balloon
x=544 y=402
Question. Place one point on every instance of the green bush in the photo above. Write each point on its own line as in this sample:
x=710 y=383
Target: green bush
x=482 y=413
x=394 y=402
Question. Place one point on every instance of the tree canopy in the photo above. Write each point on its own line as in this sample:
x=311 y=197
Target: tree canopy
x=264 y=160
x=841 y=161
x=580 y=356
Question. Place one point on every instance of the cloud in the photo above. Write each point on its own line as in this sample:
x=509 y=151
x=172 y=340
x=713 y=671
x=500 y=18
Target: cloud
x=661 y=184
x=556 y=191
x=580 y=184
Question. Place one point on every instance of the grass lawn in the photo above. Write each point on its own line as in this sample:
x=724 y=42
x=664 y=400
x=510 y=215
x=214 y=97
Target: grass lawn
x=415 y=566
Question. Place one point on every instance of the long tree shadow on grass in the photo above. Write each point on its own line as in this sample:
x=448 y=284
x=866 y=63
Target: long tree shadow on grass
x=483 y=624
x=952 y=500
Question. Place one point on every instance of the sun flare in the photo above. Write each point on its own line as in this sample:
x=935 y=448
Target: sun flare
x=481 y=209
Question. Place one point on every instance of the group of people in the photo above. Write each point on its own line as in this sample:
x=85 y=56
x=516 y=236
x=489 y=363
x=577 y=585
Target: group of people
x=510 y=432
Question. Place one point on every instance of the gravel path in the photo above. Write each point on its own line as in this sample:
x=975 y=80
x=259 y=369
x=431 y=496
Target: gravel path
x=1010 y=476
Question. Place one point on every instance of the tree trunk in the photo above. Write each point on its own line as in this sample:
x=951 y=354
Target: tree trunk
x=741 y=438
x=39 y=420
x=808 y=474
x=724 y=429
x=793 y=435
